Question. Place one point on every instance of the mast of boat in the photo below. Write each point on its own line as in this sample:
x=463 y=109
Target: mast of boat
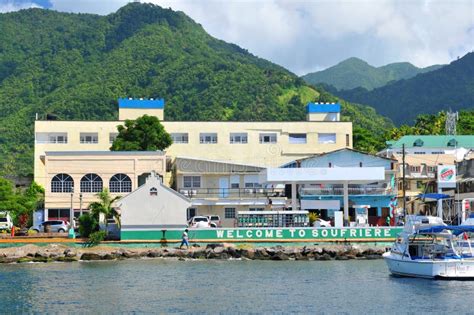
x=403 y=185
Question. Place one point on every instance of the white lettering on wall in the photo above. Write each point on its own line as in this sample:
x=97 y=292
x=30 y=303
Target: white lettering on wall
x=302 y=233
x=268 y=233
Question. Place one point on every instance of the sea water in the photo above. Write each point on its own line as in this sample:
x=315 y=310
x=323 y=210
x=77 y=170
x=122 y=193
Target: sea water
x=168 y=286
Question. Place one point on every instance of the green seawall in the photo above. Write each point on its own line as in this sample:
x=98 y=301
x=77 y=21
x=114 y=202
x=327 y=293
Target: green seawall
x=354 y=234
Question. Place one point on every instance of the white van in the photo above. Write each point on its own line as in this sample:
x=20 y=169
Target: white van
x=6 y=222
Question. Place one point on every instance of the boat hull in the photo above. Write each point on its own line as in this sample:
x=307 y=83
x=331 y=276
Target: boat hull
x=448 y=269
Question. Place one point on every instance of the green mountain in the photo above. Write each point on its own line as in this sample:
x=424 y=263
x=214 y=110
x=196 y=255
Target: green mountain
x=76 y=66
x=354 y=72
x=450 y=87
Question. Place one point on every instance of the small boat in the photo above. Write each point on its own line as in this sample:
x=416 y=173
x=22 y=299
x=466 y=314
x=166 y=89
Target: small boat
x=428 y=248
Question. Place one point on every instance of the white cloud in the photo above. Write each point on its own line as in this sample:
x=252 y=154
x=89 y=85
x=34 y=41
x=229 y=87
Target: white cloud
x=306 y=35
x=11 y=6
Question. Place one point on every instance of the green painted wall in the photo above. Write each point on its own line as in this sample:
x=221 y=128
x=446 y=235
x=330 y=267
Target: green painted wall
x=269 y=234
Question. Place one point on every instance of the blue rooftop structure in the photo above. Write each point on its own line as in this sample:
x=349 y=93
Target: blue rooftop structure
x=323 y=108
x=141 y=103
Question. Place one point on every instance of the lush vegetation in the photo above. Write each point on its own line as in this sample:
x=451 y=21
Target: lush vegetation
x=89 y=223
x=20 y=204
x=76 y=66
x=354 y=72
x=145 y=133
x=434 y=124
x=452 y=86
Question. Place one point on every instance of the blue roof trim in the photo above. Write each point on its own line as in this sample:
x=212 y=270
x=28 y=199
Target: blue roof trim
x=323 y=108
x=143 y=104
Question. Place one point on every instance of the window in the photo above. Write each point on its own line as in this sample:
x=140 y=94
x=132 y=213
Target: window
x=120 y=183
x=234 y=181
x=255 y=209
x=180 y=137
x=208 y=138
x=420 y=152
x=91 y=183
x=268 y=138
x=238 y=138
x=191 y=181
x=62 y=183
x=415 y=169
x=56 y=137
x=112 y=137
x=89 y=137
x=437 y=152
x=418 y=143
x=348 y=140
x=419 y=184
x=360 y=164
x=297 y=138
x=229 y=213
x=326 y=138
x=431 y=169
x=153 y=191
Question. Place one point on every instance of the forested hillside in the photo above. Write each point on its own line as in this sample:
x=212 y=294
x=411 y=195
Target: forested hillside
x=451 y=87
x=354 y=72
x=76 y=66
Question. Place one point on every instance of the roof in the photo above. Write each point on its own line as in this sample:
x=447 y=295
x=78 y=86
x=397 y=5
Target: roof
x=338 y=150
x=141 y=103
x=446 y=141
x=218 y=161
x=323 y=108
x=99 y=153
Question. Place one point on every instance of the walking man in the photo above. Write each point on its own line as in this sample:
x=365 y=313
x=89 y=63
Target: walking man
x=184 y=239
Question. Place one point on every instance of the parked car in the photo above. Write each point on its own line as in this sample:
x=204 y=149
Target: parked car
x=6 y=222
x=215 y=220
x=54 y=226
x=199 y=222
x=113 y=230
x=322 y=223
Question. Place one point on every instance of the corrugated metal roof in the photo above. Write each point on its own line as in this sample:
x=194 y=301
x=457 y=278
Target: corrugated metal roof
x=433 y=141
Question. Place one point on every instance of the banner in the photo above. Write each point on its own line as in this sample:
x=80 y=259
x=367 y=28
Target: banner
x=446 y=176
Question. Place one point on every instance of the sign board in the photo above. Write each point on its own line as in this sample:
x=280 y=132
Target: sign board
x=364 y=234
x=446 y=176
x=320 y=204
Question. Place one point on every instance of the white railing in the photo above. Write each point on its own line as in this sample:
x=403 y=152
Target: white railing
x=338 y=191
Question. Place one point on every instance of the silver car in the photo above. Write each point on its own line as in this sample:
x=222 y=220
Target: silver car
x=53 y=226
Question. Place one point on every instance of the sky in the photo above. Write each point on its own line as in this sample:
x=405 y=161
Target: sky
x=311 y=35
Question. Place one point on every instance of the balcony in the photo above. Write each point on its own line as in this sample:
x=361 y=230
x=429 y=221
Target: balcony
x=231 y=192
x=339 y=191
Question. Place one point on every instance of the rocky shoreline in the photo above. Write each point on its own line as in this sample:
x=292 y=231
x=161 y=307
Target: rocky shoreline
x=62 y=253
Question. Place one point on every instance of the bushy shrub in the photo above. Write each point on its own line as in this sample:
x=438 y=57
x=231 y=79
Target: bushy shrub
x=87 y=225
x=96 y=237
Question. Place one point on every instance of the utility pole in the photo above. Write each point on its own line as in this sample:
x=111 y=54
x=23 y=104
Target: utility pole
x=403 y=184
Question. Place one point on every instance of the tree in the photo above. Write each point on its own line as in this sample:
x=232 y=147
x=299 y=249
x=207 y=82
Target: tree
x=104 y=207
x=20 y=204
x=146 y=133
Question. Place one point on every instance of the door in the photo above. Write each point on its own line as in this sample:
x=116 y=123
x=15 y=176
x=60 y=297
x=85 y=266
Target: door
x=223 y=187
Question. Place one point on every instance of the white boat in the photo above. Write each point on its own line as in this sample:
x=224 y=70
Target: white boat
x=428 y=248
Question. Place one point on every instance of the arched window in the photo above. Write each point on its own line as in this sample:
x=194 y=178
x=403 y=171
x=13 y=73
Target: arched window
x=91 y=183
x=153 y=191
x=62 y=183
x=120 y=183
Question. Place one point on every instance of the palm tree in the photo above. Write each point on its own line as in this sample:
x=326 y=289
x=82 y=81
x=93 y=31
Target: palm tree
x=104 y=206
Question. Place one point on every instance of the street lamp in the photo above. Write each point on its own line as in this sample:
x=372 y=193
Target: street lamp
x=80 y=204
x=71 y=213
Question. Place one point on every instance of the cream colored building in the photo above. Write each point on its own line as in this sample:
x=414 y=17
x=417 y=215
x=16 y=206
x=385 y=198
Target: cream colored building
x=258 y=144
x=75 y=178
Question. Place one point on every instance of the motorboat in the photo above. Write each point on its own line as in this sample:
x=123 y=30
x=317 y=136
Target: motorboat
x=428 y=248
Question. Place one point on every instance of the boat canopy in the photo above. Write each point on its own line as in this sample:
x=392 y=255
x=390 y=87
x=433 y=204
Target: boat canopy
x=433 y=196
x=457 y=229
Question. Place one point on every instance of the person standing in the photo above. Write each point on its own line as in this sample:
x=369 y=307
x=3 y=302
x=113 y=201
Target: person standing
x=184 y=239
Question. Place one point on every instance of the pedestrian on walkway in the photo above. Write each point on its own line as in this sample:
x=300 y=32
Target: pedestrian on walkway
x=184 y=239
